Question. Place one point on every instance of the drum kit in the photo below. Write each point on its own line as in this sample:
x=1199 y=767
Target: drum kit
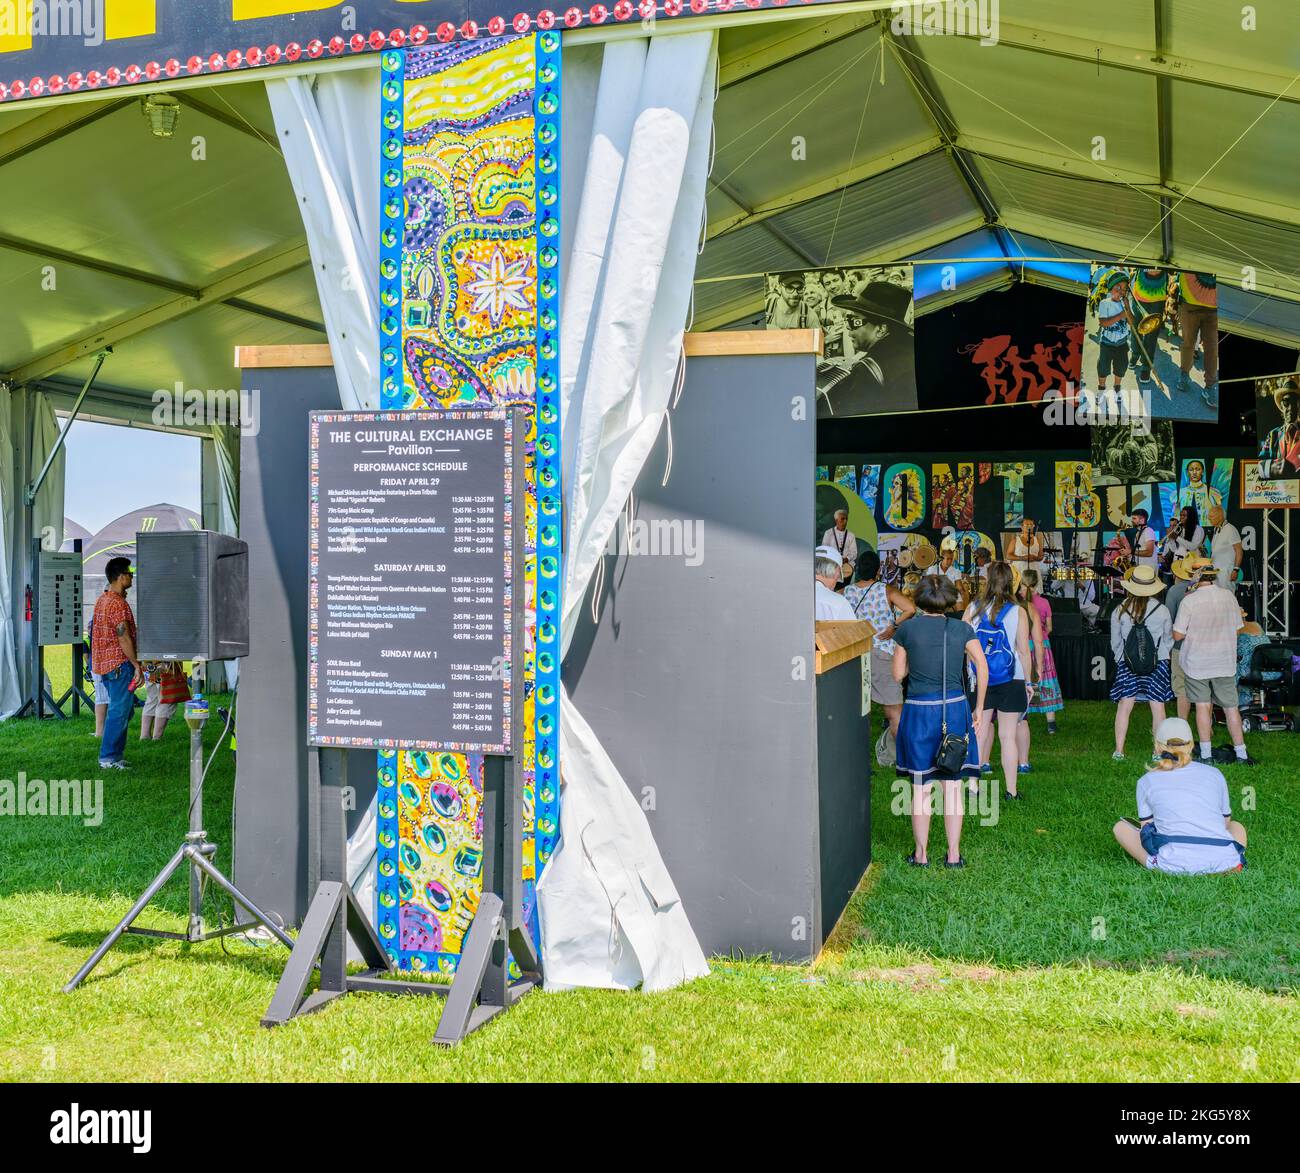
x=914 y=560
x=918 y=558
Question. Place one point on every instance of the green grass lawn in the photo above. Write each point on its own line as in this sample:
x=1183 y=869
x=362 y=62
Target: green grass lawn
x=1052 y=957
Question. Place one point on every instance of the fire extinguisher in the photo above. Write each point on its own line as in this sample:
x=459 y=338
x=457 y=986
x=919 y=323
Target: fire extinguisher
x=29 y=604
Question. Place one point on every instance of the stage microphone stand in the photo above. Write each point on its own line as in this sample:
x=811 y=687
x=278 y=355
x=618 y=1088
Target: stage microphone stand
x=197 y=851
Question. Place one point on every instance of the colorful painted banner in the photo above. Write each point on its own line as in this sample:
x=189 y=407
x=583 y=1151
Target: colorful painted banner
x=904 y=500
x=469 y=269
x=952 y=496
x=1077 y=506
x=1012 y=475
x=1204 y=486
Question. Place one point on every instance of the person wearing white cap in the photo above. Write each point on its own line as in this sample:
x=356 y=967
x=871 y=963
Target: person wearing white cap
x=1184 y=824
x=1141 y=636
x=827 y=602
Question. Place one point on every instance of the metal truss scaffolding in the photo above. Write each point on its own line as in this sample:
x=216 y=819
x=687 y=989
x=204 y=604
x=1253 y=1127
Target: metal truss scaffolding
x=1276 y=576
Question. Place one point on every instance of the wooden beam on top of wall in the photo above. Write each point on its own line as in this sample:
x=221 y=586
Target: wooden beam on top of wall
x=698 y=345
x=249 y=358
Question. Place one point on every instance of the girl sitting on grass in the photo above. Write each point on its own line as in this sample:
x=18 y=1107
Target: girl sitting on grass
x=1185 y=824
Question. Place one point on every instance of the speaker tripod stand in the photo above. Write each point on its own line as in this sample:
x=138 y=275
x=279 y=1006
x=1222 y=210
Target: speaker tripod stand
x=196 y=852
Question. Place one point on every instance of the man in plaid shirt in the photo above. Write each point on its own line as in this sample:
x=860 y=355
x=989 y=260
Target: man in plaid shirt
x=113 y=657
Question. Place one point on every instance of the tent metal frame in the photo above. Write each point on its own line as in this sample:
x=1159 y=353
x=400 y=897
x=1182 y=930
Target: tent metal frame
x=1276 y=526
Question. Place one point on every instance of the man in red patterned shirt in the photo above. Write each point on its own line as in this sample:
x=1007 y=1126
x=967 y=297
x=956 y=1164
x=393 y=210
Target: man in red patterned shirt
x=113 y=657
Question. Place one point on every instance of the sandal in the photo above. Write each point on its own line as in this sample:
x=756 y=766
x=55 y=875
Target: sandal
x=913 y=862
x=1013 y=797
x=961 y=862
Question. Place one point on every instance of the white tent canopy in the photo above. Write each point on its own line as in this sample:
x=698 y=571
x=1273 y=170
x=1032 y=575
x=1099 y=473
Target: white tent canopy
x=1107 y=130
x=172 y=251
x=911 y=146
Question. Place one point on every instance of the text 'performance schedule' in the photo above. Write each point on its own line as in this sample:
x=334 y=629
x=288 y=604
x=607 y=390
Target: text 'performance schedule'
x=410 y=580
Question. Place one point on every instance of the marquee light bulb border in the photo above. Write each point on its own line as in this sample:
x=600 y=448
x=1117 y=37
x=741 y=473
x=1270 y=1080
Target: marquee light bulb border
x=260 y=56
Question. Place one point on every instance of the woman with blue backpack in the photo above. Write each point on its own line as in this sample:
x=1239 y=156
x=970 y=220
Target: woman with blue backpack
x=1002 y=629
x=1141 y=637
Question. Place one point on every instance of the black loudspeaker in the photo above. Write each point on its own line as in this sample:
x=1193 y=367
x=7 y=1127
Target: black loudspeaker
x=1064 y=604
x=192 y=595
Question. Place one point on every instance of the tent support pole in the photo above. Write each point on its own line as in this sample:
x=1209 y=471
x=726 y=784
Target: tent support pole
x=35 y=487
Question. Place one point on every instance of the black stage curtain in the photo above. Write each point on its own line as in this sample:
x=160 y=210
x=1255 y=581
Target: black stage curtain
x=1076 y=657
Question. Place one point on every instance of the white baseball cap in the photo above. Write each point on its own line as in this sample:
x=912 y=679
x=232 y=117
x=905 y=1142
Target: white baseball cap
x=1173 y=729
x=829 y=552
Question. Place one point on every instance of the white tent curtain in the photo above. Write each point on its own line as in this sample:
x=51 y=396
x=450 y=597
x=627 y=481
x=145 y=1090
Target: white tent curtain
x=328 y=127
x=10 y=690
x=636 y=150
x=225 y=443
x=637 y=137
x=47 y=512
x=221 y=675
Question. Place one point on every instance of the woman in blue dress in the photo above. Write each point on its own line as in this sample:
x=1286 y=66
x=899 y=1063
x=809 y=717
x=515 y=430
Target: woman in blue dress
x=930 y=653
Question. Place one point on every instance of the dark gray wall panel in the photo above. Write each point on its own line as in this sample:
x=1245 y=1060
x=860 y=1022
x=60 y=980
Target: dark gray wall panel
x=689 y=675
x=271 y=809
x=844 y=759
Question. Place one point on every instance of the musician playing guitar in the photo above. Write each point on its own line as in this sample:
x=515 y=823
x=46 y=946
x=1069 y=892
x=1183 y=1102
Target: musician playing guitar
x=1140 y=540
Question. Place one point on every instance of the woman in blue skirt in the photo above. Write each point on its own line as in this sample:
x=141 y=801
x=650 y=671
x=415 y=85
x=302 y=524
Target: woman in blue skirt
x=930 y=651
x=1141 y=608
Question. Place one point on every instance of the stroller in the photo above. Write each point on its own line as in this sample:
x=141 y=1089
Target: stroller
x=1271 y=681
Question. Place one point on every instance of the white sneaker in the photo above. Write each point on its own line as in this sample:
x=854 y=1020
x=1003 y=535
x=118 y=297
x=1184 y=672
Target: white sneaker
x=113 y=766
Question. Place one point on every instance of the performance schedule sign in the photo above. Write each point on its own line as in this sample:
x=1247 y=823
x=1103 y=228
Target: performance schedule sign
x=59 y=577
x=411 y=580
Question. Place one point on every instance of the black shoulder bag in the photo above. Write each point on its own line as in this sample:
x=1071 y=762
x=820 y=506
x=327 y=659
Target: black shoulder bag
x=950 y=757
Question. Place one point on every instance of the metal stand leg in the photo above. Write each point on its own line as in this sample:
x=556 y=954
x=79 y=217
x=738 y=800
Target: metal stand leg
x=197 y=851
x=333 y=916
x=482 y=988
x=125 y=923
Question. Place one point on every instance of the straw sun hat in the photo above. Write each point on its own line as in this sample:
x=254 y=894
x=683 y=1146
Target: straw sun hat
x=1142 y=580
x=1190 y=567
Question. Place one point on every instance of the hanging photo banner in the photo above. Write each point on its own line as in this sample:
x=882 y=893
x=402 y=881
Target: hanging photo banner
x=1019 y=345
x=1132 y=453
x=1277 y=420
x=1151 y=344
x=868 y=365
x=469 y=276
